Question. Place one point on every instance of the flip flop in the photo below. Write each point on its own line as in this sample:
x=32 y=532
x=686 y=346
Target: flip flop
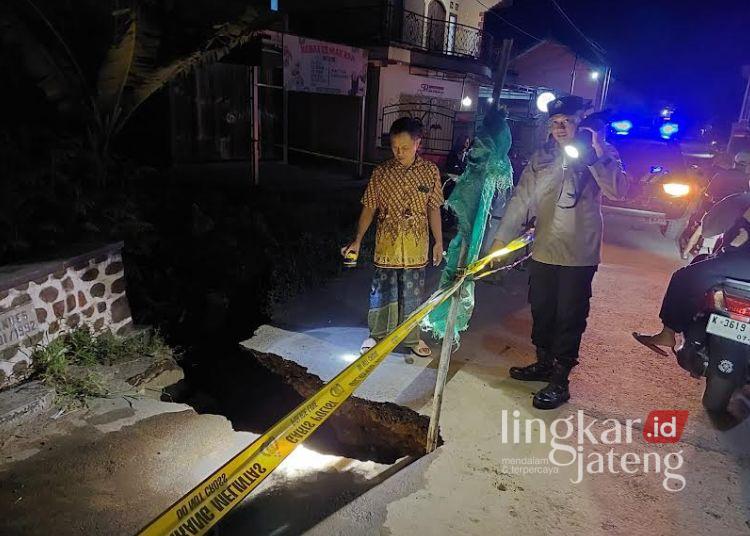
x=367 y=345
x=641 y=338
x=421 y=350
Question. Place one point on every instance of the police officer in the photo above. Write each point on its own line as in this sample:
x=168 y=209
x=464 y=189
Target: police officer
x=562 y=188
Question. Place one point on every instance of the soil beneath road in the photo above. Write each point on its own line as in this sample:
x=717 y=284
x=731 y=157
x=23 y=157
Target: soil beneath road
x=379 y=431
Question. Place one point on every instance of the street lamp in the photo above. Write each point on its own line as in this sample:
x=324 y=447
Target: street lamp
x=595 y=75
x=466 y=101
x=543 y=100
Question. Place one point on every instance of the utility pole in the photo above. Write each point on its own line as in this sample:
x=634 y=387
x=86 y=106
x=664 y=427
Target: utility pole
x=573 y=75
x=745 y=108
x=501 y=69
x=741 y=129
x=603 y=89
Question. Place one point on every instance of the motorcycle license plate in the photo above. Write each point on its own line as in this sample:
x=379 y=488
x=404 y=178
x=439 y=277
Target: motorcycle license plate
x=734 y=330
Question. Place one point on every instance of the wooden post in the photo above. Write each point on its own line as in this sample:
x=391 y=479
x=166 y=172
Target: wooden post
x=445 y=360
x=285 y=103
x=498 y=77
x=255 y=157
x=361 y=134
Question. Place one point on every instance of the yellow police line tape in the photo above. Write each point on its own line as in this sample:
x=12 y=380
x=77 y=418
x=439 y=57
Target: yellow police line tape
x=197 y=511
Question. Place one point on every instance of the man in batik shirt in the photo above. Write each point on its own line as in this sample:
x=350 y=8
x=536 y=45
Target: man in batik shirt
x=405 y=193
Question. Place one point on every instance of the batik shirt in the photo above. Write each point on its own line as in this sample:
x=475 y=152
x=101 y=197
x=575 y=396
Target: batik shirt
x=402 y=197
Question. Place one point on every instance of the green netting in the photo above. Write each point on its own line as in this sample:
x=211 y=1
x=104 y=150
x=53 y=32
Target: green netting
x=488 y=172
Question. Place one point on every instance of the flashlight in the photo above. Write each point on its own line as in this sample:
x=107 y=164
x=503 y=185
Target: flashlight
x=580 y=147
x=572 y=151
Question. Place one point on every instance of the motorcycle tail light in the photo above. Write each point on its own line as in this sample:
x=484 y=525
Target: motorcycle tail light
x=737 y=305
x=676 y=189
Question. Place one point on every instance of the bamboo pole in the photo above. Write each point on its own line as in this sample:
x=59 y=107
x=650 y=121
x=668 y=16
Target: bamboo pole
x=445 y=359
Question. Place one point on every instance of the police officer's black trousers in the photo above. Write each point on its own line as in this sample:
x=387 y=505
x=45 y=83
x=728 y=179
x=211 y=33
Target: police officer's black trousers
x=559 y=298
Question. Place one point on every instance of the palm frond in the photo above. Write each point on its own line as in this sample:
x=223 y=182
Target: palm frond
x=144 y=81
x=113 y=73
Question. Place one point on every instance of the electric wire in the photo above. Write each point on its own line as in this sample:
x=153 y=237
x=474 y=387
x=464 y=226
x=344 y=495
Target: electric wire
x=595 y=46
x=506 y=21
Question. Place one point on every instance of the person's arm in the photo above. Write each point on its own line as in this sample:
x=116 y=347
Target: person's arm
x=434 y=203
x=607 y=169
x=369 y=207
x=518 y=208
x=436 y=227
x=365 y=219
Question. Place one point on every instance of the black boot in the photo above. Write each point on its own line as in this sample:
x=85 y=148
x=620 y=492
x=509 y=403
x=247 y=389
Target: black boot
x=556 y=393
x=541 y=371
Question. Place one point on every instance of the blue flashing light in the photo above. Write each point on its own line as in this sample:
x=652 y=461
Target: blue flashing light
x=656 y=169
x=667 y=130
x=622 y=127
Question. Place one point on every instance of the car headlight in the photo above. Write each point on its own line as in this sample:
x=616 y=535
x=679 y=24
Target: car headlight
x=676 y=189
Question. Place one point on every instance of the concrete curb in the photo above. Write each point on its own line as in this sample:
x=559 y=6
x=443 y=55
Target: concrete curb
x=22 y=403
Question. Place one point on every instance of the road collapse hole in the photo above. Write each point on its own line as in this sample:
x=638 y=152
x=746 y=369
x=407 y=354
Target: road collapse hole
x=255 y=389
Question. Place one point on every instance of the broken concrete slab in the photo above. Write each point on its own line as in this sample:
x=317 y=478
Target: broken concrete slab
x=24 y=402
x=327 y=351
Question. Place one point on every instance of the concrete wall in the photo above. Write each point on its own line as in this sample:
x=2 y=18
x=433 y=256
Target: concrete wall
x=468 y=12
x=416 y=6
x=38 y=302
x=398 y=84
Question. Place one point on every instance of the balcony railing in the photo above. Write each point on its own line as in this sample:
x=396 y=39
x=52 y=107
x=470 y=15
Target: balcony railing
x=385 y=24
x=436 y=35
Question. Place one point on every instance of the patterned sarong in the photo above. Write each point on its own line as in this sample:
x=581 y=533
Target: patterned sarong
x=395 y=294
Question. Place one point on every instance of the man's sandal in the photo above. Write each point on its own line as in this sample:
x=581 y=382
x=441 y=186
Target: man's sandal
x=367 y=345
x=421 y=350
x=645 y=340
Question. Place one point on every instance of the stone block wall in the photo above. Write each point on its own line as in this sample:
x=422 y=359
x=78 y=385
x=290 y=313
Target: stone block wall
x=38 y=302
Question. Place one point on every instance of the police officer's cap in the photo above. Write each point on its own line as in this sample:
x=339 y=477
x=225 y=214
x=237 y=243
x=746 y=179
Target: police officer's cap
x=568 y=105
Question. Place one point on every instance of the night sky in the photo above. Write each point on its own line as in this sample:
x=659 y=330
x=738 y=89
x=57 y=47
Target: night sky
x=688 y=52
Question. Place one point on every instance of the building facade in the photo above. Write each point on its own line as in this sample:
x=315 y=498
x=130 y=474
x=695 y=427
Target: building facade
x=427 y=59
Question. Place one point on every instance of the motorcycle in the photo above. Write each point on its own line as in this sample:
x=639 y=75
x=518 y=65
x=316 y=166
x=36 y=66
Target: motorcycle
x=717 y=343
x=691 y=241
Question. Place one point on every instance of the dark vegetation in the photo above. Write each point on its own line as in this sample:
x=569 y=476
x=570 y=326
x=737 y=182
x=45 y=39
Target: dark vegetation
x=204 y=259
x=68 y=362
